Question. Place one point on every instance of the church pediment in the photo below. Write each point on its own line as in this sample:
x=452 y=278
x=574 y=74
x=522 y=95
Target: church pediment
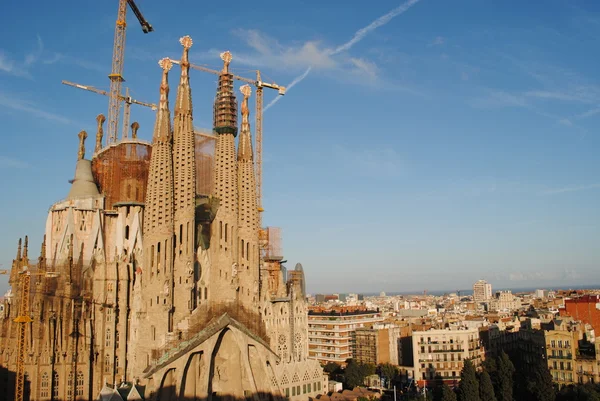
x=212 y=329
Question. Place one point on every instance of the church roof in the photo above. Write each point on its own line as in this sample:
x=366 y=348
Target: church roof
x=83 y=185
x=109 y=394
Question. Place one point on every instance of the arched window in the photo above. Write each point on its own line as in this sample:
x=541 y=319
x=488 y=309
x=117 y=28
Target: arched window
x=108 y=338
x=107 y=363
x=45 y=385
x=79 y=389
x=55 y=382
x=70 y=386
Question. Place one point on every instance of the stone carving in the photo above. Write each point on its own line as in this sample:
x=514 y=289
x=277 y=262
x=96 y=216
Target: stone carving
x=226 y=57
x=134 y=129
x=99 y=132
x=82 y=136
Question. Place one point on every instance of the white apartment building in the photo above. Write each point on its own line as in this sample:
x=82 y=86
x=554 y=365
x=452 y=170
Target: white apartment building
x=505 y=301
x=482 y=291
x=443 y=352
x=331 y=333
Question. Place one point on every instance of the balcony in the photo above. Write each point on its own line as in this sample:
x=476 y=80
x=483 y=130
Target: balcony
x=447 y=350
x=568 y=356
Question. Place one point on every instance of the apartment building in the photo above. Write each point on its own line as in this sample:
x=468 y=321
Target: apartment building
x=377 y=345
x=331 y=332
x=505 y=301
x=482 y=291
x=443 y=352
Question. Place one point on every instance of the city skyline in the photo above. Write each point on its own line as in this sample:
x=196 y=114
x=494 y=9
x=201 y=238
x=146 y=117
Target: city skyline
x=423 y=145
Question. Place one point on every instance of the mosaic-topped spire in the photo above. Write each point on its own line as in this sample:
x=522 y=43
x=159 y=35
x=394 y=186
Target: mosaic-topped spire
x=245 y=145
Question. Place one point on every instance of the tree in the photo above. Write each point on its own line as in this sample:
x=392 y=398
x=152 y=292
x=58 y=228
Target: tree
x=353 y=376
x=468 y=388
x=332 y=367
x=486 y=388
x=504 y=378
x=388 y=371
x=447 y=393
x=355 y=373
x=539 y=383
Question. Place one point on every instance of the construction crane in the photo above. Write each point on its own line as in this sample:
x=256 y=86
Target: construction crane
x=259 y=84
x=116 y=75
x=24 y=318
x=127 y=99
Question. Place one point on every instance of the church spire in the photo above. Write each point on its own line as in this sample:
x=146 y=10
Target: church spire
x=225 y=108
x=245 y=145
x=162 y=127
x=184 y=172
x=247 y=210
x=25 y=257
x=18 y=258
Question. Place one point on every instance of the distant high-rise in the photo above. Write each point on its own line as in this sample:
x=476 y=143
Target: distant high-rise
x=482 y=291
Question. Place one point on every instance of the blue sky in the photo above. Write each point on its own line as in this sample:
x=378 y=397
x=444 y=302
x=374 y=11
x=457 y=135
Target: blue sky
x=427 y=147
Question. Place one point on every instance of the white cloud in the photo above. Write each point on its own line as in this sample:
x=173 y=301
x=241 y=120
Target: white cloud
x=14 y=103
x=577 y=188
x=365 y=67
x=384 y=19
x=438 y=41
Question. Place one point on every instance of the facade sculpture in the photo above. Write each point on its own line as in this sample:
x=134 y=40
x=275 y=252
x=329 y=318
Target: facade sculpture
x=158 y=291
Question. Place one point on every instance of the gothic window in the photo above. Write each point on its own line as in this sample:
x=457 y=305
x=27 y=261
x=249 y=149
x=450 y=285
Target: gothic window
x=126 y=232
x=247 y=251
x=70 y=386
x=79 y=389
x=108 y=314
x=110 y=287
x=242 y=248
x=117 y=338
x=44 y=386
x=226 y=227
x=107 y=363
x=55 y=381
x=107 y=338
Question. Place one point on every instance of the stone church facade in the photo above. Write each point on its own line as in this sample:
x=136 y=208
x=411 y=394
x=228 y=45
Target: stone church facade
x=147 y=287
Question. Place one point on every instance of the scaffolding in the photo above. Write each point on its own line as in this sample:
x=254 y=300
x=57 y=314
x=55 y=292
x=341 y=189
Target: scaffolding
x=205 y=159
x=121 y=171
x=270 y=240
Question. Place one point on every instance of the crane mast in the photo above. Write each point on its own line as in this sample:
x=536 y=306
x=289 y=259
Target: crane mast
x=116 y=75
x=22 y=319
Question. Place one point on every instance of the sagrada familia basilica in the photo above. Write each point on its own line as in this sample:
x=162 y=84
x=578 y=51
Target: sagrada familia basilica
x=152 y=284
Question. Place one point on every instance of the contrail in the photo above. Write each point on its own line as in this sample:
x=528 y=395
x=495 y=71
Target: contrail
x=358 y=36
x=384 y=19
x=290 y=86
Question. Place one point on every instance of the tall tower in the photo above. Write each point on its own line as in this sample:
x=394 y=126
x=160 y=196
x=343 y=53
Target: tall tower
x=184 y=168
x=223 y=274
x=158 y=226
x=248 y=253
